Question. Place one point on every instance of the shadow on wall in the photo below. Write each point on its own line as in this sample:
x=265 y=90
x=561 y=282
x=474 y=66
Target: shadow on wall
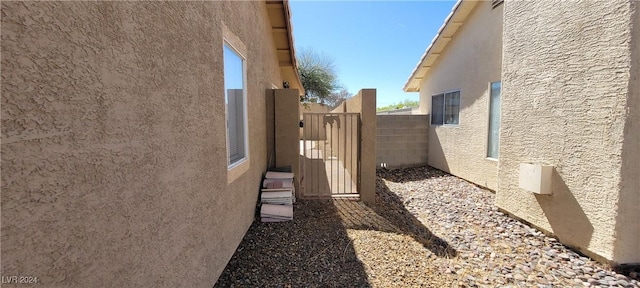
x=566 y=217
x=435 y=151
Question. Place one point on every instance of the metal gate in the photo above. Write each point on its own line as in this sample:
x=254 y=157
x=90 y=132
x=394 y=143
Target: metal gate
x=330 y=155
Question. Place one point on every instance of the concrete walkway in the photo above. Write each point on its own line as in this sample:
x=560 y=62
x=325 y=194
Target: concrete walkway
x=324 y=176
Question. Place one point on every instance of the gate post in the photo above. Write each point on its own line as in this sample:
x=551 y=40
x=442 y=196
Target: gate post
x=287 y=132
x=367 y=110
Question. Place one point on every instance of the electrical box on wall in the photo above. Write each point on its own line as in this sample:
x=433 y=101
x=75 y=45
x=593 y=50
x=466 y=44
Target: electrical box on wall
x=536 y=178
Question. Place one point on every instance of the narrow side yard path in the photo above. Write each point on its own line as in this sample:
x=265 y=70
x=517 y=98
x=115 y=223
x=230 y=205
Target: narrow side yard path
x=427 y=229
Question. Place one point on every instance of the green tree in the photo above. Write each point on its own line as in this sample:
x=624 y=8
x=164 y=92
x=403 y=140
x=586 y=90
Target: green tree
x=318 y=75
x=404 y=104
x=336 y=98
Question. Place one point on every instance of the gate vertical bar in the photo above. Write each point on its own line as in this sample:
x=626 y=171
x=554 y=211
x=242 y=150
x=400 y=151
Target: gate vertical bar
x=351 y=155
x=359 y=153
x=313 y=121
x=311 y=181
x=338 y=156
x=304 y=167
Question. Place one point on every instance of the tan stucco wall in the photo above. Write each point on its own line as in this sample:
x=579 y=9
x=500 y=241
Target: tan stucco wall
x=566 y=76
x=312 y=108
x=113 y=140
x=470 y=62
x=287 y=142
x=627 y=244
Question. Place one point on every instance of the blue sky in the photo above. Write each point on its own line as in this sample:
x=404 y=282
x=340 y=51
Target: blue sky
x=374 y=44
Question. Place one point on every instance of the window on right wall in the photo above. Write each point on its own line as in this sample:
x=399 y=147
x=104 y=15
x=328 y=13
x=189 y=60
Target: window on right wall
x=493 y=141
x=445 y=108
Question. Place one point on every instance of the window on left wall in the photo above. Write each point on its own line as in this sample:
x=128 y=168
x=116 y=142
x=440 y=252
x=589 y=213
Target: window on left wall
x=235 y=103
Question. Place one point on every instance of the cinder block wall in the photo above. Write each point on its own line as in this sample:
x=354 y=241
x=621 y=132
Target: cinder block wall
x=402 y=140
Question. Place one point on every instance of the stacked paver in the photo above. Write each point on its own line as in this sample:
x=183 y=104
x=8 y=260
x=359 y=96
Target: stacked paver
x=277 y=197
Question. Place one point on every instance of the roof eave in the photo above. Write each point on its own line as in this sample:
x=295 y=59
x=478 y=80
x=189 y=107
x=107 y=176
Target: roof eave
x=282 y=31
x=292 y=50
x=440 y=41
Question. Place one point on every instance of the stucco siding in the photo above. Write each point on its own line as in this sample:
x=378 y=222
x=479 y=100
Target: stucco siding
x=627 y=245
x=469 y=63
x=114 y=162
x=566 y=72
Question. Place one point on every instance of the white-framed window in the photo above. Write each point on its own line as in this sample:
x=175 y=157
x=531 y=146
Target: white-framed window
x=493 y=140
x=235 y=104
x=445 y=108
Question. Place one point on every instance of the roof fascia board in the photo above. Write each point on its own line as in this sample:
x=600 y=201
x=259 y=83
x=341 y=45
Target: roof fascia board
x=292 y=50
x=439 y=37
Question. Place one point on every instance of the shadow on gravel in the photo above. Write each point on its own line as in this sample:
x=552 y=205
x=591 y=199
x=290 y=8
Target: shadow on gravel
x=311 y=251
x=314 y=249
x=390 y=206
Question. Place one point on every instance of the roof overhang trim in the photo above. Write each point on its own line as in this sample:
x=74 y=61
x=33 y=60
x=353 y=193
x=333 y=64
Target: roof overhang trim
x=445 y=34
x=280 y=16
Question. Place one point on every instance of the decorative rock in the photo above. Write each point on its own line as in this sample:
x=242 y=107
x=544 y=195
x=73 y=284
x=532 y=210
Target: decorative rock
x=471 y=278
x=621 y=277
x=420 y=213
x=623 y=283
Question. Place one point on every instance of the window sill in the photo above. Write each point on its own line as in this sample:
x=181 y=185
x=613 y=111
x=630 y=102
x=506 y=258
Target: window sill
x=492 y=159
x=235 y=170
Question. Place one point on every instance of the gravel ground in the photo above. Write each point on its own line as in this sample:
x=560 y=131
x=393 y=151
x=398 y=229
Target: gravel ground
x=427 y=229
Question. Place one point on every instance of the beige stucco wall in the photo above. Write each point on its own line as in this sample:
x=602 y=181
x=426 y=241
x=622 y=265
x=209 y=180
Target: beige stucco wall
x=627 y=244
x=314 y=131
x=287 y=144
x=470 y=62
x=566 y=102
x=113 y=140
x=312 y=108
